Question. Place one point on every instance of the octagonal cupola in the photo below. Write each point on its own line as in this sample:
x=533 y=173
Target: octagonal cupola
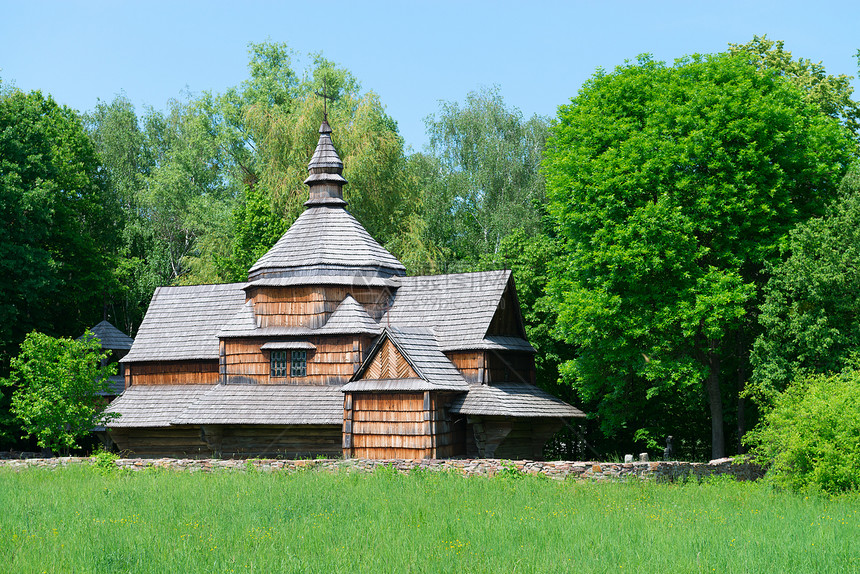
x=326 y=243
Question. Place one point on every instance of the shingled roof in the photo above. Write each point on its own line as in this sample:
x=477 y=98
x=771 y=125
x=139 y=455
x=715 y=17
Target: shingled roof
x=153 y=405
x=350 y=317
x=420 y=349
x=512 y=400
x=265 y=405
x=110 y=337
x=458 y=307
x=182 y=323
x=326 y=240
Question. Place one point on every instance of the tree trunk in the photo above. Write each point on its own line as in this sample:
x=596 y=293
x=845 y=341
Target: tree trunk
x=718 y=440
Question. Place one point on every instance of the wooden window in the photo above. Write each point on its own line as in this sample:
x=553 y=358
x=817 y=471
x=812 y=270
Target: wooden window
x=279 y=363
x=299 y=364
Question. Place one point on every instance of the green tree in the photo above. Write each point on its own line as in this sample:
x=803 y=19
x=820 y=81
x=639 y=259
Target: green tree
x=128 y=162
x=671 y=188
x=487 y=180
x=811 y=313
x=832 y=94
x=57 y=384
x=58 y=222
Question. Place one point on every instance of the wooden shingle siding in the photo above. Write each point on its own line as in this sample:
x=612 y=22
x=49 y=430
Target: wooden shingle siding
x=397 y=425
x=312 y=306
x=471 y=364
x=174 y=373
x=389 y=364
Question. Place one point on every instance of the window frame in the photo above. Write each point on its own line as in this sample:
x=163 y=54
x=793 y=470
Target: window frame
x=298 y=364
x=279 y=364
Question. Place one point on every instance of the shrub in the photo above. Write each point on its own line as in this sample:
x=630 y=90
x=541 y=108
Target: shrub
x=811 y=437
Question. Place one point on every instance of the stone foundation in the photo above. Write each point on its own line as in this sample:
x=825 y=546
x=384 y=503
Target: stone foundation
x=659 y=471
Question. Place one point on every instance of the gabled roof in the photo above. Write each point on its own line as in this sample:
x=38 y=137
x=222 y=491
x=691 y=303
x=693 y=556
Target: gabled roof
x=326 y=240
x=512 y=400
x=419 y=348
x=110 y=337
x=350 y=317
x=182 y=323
x=458 y=307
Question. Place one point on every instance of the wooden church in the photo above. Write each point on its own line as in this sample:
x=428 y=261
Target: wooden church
x=330 y=349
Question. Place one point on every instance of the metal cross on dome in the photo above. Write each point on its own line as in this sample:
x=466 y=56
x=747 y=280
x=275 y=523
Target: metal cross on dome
x=324 y=95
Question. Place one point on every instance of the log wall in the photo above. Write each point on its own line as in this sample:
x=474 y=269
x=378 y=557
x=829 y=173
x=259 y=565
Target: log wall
x=511 y=438
x=181 y=442
x=333 y=362
x=311 y=306
x=172 y=373
x=400 y=425
x=230 y=441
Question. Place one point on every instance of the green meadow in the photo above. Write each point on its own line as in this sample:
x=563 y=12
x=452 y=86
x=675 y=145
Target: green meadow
x=80 y=520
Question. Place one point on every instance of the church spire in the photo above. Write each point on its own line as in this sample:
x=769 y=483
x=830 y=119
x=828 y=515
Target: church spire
x=325 y=170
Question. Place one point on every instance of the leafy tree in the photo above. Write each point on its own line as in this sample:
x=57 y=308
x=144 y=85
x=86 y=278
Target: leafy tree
x=128 y=162
x=832 y=94
x=269 y=126
x=809 y=438
x=811 y=313
x=58 y=226
x=487 y=181
x=57 y=384
x=671 y=188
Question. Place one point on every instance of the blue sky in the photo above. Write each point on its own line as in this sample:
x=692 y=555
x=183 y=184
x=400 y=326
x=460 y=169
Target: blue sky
x=412 y=53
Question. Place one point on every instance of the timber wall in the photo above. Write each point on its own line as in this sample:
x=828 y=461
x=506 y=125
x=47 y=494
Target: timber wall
x=230 y=441
x=172 y=373
x=311 y=306
x=400 y=425
x=494 y=366
x=333 y=362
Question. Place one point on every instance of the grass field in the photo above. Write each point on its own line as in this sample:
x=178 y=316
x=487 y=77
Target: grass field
x=77 y=520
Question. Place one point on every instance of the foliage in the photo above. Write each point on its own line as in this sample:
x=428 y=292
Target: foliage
x=671 y=188
x=57 y=384
x=57 y=228
x=809 y=438
x=811 y=313
x=269 y=125
x=104 y=461
x=486 y=181
x=350 y=522
x=832 y=94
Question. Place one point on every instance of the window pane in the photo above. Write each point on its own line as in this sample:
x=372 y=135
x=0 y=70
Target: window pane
x=298 y=366
x=279 y=363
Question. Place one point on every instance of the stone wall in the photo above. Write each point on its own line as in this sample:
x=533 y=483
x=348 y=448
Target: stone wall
x=660 y=471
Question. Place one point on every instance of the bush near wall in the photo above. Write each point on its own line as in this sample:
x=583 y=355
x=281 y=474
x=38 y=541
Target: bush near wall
x=811 y=437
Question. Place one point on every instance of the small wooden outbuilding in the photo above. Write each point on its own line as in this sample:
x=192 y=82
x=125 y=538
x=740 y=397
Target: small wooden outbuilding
x=330 y=349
